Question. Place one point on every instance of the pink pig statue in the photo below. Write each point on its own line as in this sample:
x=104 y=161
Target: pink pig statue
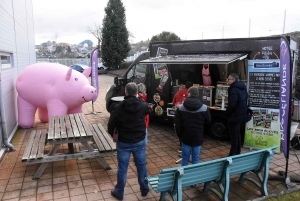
x=53 y=89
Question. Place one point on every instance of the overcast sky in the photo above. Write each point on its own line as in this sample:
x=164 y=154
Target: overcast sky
x=68 y=20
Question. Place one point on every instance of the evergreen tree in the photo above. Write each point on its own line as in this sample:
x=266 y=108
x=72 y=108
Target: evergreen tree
x=115 y=44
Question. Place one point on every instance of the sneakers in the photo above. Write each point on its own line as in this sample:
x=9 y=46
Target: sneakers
x=113 y=193
x=145 y=194
x=180 y=150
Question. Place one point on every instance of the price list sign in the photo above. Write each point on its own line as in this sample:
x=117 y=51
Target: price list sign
x=264 y=89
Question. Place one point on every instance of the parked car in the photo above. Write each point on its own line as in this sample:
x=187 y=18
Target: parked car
x=79 y=67
x=101 y=66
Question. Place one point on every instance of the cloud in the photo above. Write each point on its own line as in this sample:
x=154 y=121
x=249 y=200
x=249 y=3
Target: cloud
x=68 y=20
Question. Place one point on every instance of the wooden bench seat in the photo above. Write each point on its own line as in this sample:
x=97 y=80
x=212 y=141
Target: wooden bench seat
x=103 y=140
x=35 y=147
x=172 y=180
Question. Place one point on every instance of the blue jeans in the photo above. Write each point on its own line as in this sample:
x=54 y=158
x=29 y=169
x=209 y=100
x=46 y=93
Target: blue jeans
x=186 y=151
x=123 y=156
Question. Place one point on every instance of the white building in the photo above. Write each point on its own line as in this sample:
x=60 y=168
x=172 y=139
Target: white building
x=17 y=50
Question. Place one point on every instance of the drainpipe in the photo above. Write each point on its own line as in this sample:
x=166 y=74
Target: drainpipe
x=5 y=139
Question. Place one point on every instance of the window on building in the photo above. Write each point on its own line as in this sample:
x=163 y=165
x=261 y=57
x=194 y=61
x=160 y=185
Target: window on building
x=6 y=60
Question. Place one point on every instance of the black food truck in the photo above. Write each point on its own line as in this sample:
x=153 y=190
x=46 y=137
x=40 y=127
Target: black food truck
x=166 y=68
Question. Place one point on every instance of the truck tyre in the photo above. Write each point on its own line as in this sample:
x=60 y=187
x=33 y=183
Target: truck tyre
x=219 y=129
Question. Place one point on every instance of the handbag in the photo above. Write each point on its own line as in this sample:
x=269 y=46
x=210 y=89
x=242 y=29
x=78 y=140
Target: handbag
x=115 y=134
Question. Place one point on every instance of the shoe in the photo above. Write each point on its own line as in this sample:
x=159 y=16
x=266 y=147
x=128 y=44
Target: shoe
x=145 y=194
x=113 y=193
x=180 y=150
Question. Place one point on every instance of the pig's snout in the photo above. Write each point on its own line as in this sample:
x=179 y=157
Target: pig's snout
x=89 y=93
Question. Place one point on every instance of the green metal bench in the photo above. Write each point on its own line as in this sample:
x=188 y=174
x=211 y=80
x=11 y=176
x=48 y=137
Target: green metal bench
x=172 y=180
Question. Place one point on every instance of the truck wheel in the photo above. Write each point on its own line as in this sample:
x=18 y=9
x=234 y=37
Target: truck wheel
x=219 y=129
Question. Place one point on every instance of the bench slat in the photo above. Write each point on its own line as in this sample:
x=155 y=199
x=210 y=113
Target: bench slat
x=68 y=127
x=97 y=140
x=42 y=141
x=101 y=138
x=80 y=126
x=107 y=137
x=56 y=128
x=35 y=146
x=74 y=126
x=85 y=125
x=63 y=130
x=51 y=130
x=29 y=146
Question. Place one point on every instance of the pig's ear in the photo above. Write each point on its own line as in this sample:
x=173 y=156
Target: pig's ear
x=69 y=73
x=87 y=72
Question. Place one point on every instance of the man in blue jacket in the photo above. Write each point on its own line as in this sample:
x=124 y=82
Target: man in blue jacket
x=129 y=117
x=190 y=119
x=236 y=111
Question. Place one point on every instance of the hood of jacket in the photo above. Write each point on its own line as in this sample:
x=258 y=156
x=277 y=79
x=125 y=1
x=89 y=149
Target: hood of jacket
x=131 y=104
x=239 y=85
x=192 y=103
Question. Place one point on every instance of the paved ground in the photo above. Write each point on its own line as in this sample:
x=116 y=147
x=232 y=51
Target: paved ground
x=86 y=180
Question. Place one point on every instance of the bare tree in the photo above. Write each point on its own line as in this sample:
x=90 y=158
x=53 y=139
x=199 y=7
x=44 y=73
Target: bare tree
x=97 y=32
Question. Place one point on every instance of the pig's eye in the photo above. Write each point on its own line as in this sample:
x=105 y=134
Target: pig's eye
x=76 y=79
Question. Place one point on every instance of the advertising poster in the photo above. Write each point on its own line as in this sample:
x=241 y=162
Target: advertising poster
x=264 y=89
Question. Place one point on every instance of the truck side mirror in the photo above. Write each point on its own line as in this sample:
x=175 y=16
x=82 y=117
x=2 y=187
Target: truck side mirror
x=116 y=81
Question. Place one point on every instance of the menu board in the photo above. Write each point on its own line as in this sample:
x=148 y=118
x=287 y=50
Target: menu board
x=263 y=130
x=264 y=89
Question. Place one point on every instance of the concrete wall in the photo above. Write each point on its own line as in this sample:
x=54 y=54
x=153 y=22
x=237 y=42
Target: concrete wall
x=16 y=40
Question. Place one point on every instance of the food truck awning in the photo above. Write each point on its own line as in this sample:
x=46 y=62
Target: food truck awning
x=196 y=59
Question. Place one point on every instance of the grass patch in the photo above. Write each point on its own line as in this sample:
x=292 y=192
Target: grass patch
x=287 y=197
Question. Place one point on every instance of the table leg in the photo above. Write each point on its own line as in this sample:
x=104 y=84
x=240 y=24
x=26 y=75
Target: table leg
x=71 y=148
x=43 y=166
x=99 y=159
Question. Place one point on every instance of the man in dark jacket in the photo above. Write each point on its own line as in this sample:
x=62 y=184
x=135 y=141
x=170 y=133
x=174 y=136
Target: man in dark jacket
x=236 y=111
x=190 y=118
x=129 y=117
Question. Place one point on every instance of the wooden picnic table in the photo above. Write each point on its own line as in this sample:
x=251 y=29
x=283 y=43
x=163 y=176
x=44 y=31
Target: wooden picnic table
x=69 y=129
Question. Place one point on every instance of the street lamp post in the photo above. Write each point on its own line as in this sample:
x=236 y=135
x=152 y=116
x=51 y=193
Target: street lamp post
x=270 y=32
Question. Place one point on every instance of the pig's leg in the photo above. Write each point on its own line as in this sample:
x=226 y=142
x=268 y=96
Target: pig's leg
x=26 y=113
x=43 y=115
x=75 y=110
x=56 y=108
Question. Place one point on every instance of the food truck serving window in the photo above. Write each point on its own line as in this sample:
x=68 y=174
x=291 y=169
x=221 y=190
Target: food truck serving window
x=197 y=58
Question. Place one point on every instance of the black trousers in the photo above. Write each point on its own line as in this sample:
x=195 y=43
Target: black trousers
x=236 y=142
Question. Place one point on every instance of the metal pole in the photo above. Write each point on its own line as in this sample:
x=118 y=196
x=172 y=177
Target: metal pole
x=284 y=21
x=249 y=26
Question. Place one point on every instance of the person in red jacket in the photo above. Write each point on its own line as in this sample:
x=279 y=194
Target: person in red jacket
x=143 y=95
x=182 y=94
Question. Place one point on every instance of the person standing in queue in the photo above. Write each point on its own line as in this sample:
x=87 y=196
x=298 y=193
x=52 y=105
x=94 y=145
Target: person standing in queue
x=179 y=98
x=128 y=116
x=142 y=94
x=181 y=94
x=236 y=111
x=190 y=118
